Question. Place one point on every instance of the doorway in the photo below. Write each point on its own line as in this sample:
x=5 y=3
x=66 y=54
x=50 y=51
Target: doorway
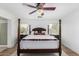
x=3 y=31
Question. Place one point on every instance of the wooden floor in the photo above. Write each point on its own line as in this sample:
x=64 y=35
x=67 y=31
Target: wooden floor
x=69 y=52
x=10 y=51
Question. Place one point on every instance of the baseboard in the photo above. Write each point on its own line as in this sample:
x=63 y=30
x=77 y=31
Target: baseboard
x=3 y=45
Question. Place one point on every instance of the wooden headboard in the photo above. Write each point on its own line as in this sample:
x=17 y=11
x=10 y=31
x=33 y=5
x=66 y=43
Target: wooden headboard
x=39 y=31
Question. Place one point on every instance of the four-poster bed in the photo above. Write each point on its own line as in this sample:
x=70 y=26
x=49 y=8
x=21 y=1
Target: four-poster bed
x=39 y=42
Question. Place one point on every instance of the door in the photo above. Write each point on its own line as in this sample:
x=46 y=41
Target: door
x=3 y=31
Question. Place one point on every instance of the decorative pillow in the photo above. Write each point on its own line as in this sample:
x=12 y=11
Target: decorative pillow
x=43 y=31
x=35 y=31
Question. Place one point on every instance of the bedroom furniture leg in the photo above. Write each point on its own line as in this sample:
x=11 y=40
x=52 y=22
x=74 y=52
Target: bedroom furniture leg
x=18 y=54
x=59 y=53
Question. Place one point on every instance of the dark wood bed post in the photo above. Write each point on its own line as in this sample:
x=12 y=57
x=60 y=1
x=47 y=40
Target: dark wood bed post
x=48 y=29
x=29 y=29
x=60 y=50
x=18 y=47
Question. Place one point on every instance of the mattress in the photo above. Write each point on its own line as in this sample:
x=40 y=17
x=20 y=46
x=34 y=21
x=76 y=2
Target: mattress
x=39 y=44
x=39 y=37
x=47 y=44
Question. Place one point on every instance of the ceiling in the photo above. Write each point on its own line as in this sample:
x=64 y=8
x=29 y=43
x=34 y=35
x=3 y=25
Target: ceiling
x=21 y=11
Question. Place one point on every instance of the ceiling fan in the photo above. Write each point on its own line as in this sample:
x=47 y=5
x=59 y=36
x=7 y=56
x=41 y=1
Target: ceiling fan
x=39 y=6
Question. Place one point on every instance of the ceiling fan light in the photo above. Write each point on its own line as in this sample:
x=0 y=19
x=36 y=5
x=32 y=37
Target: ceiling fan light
x=40 y=11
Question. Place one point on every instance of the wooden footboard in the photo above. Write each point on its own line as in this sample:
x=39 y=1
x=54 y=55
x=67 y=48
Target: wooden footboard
x=39 y=50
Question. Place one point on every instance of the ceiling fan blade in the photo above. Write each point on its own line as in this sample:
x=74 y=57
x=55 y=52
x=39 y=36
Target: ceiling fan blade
x=40 y=5
x=29 y=5
x=33 y=11
x=49 y=8
x=37 y=4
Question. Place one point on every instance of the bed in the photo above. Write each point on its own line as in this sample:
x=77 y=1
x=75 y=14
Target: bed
x=39 y=42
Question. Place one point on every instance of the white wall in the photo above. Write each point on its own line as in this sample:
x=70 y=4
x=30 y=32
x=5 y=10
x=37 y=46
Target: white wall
x=12 y=27
x=70 y=31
